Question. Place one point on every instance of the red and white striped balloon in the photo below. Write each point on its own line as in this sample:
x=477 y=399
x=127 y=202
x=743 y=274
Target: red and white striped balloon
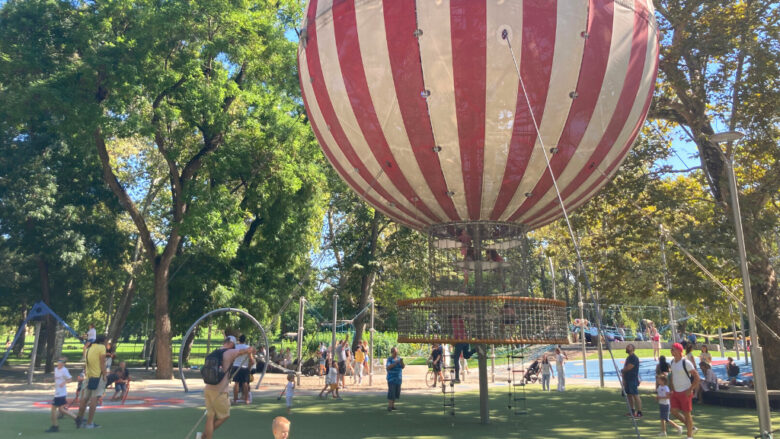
x=418 y=105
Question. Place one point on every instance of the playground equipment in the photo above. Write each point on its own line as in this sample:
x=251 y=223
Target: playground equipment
x=262 y=341
x=36 y=314
x=425 y=110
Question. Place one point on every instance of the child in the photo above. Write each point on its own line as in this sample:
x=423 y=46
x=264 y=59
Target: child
x=61 y=378
x=662 y=396
x=280 y=427
x=547 y=371
x=288 y=391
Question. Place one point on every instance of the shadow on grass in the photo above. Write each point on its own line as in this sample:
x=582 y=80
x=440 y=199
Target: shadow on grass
x=577 y=413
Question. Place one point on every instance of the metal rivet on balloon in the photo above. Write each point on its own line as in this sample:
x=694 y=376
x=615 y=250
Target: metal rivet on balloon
x=573 y=95
x=389 y=165
x=415 y=199
x=584 y=34
x=554 y=150
x=311 y=79
x=418 y=32
x=529 y=195
x=592 y=164
x=425 y=93
x=356 y=170
x=437 y=148
x=450 y=193
x=504 y=34
x=391 y=204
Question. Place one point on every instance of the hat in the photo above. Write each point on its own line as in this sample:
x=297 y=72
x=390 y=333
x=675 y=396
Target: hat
x=61 y=360
x=677 y=346
x=231 y=339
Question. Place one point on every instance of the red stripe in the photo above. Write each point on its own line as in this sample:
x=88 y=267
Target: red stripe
x=606 y=175
x=329 y=114
x=351 y=62
x=628 y=96
x=400 y=24
x=592 y=72
x=540 y=21
x=468 y=21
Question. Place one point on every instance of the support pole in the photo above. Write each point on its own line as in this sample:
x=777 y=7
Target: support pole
x=34 y=353
x=582 y=327
x=484 y=412
x=335 y=316
x=493 y=363
x=721 y=348
x=667 y=278
x=759 y=376
x=300 y=337
x=552 y=277
x=734 y=331
x=371 y=346
x=601 y=362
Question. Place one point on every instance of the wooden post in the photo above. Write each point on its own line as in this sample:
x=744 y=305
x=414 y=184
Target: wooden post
x=484 y=411
x=34 y=353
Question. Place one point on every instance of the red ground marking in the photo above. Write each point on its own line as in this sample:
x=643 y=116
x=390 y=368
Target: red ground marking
x=137 y=401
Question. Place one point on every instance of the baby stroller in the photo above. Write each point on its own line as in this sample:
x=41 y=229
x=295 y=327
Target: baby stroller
x=532 y=373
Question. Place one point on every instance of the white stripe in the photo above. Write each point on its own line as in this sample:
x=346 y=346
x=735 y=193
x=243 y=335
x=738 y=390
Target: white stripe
x=323 y=7
x=611 y=88
x=634 y=116
x=433 y=18
x=567 y=61
x=379 y=75
x=334 y=82
x=315 y=114
x=501 y=88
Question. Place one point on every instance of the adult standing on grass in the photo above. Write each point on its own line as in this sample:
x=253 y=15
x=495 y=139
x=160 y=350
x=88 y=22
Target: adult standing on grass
x=360 y=358
x=630 y=374
x=560 y=366
x=96 y=381
x=216 y=395
x=394 y=366
x=684 y=379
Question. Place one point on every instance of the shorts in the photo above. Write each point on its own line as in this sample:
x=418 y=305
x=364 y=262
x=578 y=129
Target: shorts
x=59 y=401
x=217 y=403
x=664 y=411
x=240 y=374
x=632 y=387
x=120 y=387
x=437 y=367
x=682 y=401
x=342 y=367
x=94 y=393
x=393 y=391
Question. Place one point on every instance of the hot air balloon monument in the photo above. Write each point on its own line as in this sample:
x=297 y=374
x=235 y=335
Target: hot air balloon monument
x=471 y=120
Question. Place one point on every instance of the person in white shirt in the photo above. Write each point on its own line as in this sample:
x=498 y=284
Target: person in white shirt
x=240 y=371
x=60 y=402
x=662 y=396
x=91 y=334
x=684 y=380
x=547 y=371
x=288 y=391
x=560 y=361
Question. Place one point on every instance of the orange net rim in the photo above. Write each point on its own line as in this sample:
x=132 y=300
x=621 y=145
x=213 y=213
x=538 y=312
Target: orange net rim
x=426 y=300
x=497 y=341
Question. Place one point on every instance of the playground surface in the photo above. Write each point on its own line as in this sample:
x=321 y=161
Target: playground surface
x=583 y=411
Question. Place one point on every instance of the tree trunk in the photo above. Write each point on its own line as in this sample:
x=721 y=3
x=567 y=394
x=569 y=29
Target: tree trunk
x=19 y=346
x=49 y=322
x=122 y=310
x=367 y=280
x=766 y=302
x=188 y=348
x=162 y=320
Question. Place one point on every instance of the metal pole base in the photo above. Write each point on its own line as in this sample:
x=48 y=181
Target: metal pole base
x=484 y=411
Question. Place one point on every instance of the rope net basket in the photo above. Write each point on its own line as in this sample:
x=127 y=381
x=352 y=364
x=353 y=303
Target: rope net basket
x=482 y=320
x=479 y=291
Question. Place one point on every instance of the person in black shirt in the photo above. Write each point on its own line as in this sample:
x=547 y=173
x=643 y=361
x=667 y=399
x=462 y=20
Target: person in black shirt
x=437 y=357
x=631 y=382
x=120 y=378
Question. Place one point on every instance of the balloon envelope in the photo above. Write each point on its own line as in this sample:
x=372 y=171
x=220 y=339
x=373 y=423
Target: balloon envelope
x=419 y=107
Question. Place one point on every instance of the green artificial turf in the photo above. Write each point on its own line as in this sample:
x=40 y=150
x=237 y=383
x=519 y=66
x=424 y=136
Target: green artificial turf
x=580 y=412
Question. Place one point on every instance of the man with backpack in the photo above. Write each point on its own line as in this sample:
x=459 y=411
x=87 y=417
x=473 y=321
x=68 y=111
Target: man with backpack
x=684 y=380
x=215 y=373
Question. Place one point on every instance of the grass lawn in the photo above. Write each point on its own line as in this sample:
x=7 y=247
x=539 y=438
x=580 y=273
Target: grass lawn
x=579 y=413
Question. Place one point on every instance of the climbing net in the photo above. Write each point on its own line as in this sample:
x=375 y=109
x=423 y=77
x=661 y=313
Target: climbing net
x=482 y=320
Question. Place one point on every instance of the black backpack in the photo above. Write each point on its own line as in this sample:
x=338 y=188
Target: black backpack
x=212 y=371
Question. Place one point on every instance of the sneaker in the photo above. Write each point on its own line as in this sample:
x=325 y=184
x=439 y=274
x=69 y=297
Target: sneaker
x=638 y=415
x=662 y=434
x=695 y=429
x=198 y=435
x=53 y=429
x=78 y=422
x=456 y=381
x=389 y=409
x=679 y=430
x=91 y=426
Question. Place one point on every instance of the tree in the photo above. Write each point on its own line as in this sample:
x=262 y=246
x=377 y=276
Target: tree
x=186 y=77
x=720 y=61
